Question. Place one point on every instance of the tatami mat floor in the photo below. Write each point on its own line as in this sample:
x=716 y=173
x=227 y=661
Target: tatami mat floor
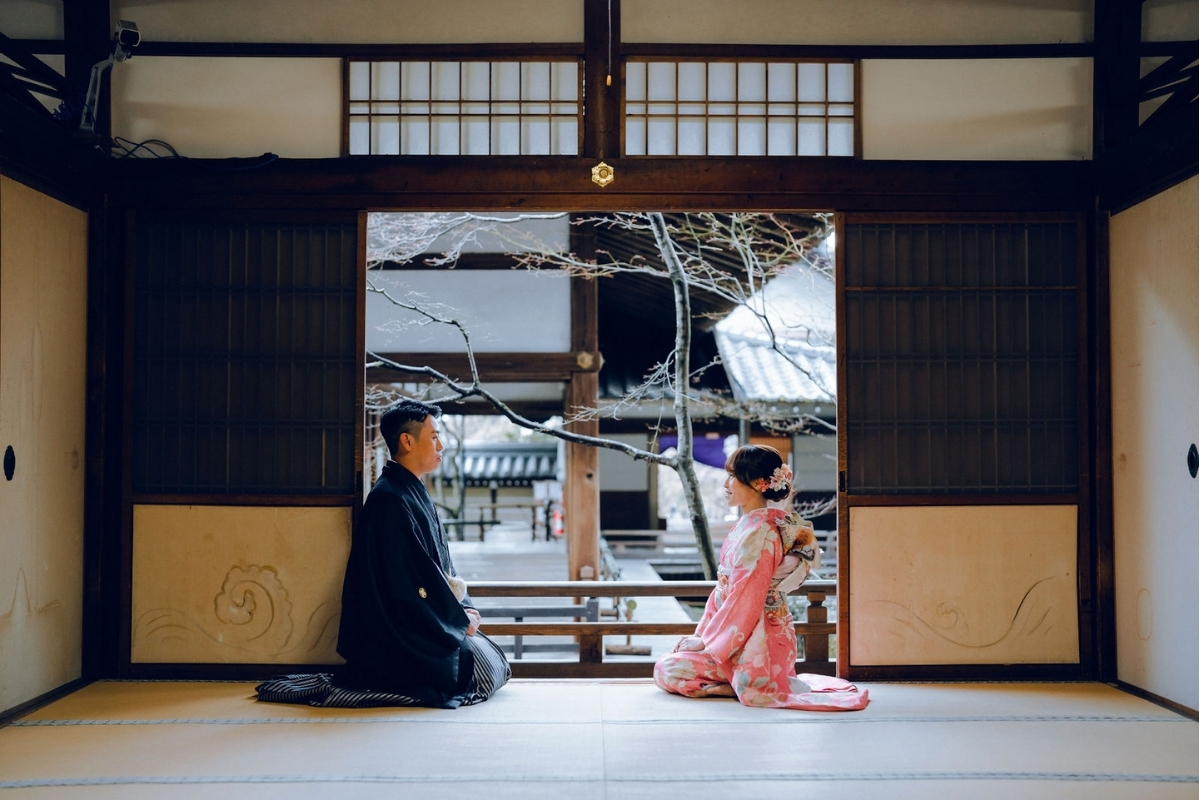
x=587 y=740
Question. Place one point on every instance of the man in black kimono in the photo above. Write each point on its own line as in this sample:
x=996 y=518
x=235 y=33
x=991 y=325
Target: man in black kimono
x=406 y=637
x=403 y=630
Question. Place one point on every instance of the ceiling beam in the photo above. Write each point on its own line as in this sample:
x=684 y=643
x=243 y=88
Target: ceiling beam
x=493 y=367
x=564 y=184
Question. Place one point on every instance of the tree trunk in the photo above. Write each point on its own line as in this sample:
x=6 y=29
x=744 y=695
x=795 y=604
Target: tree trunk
x=684 y=466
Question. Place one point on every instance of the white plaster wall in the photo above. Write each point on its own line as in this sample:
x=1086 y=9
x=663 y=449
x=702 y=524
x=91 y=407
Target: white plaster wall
x=963 y=585
x=1169 y=20
x=360 y=21
x=814 y=460
x=1154 y=290
x=231 y=107
x=987 y=109
x=856 y=21
x=225 y=584
x=619 y=472
x=31 y=19
x=43 y=338
x=504 y=311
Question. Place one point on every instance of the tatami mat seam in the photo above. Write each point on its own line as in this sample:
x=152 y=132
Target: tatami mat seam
x=1079 y=777
x=823 y=720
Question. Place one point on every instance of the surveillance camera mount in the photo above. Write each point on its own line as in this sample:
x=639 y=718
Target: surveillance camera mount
x=126 y=38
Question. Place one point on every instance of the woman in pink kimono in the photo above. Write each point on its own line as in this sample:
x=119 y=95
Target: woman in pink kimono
x=745 y=644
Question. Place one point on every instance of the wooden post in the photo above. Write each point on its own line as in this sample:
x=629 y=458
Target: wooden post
x=816 y=646
x=602 y=62
x=581 y=489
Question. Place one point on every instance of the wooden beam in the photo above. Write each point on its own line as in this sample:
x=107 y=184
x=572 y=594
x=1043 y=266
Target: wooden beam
x=495 y=51
x=564 y=183
x=42 y=154
x=464 y=261
x=853 y=52
x=619 y=588
x=619 y=628
x=1160 y=154
x=509 y=367
x=506 y=51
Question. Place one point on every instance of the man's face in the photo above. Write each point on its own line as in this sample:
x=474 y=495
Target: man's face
x=424 y=451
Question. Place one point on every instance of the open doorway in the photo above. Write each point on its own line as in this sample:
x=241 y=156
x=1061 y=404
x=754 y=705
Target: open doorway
x=761 y=345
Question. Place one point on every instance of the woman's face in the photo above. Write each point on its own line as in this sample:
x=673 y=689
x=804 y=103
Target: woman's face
x=742 y=496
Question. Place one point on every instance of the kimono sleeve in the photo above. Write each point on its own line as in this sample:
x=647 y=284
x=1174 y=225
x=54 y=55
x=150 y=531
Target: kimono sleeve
x=752 y=565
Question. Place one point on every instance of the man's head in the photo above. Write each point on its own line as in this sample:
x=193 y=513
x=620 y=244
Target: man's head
x=411 y=432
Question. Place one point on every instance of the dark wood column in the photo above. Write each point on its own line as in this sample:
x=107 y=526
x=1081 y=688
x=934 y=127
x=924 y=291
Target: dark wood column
x=1118 y=33
x=602 y=45
x=87 y=34
x=581 y=490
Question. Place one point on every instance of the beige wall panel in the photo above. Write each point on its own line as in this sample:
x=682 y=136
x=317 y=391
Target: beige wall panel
x=856 y=21
x=1002 y=109
x=362 y=21
x=231 y=107
x=31 y=19
x=43 y=344
x=225 y=584
x=1154 y=289
x=1170 y=20
x=963 y=585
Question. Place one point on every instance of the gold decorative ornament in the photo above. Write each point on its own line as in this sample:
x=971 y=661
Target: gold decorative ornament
x=584 y=359
x=421 y=591
x=602 y=175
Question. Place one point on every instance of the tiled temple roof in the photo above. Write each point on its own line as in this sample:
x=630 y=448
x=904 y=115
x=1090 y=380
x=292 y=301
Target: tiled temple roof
x=507 y=463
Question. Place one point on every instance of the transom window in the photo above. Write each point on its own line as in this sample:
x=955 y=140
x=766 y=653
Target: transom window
x=739 y=108
x=464 y=108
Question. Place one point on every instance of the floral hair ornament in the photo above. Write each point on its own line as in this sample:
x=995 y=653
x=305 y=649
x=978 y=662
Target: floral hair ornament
x=759 y=485
x=781 y=477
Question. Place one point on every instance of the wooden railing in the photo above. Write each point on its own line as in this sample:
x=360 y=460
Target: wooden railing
x=816 y=629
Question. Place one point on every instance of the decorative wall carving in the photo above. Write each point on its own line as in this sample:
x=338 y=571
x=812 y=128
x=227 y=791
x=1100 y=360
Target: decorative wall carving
x=252 y=614
x=963 y=585
x=259 y=585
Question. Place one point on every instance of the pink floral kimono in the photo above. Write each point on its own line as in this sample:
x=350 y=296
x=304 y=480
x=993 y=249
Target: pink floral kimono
x=745 y=645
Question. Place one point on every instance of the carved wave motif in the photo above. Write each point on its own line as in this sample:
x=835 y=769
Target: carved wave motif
x=252 y=614
x=948 y=623
x=254 y=604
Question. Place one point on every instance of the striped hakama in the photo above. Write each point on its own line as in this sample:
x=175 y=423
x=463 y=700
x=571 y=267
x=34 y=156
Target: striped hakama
x=319 y=689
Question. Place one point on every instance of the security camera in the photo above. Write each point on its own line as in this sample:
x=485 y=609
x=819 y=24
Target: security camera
x=125 y=38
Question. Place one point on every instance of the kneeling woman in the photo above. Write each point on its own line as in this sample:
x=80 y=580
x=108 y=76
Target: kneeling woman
x=745 y=644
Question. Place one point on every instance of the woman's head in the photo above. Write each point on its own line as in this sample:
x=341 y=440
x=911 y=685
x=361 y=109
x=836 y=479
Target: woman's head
x=761 y=467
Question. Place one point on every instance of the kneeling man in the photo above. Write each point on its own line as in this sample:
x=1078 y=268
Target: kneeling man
x=408 y=626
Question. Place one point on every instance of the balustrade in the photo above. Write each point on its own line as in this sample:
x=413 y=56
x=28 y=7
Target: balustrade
x=815 y=629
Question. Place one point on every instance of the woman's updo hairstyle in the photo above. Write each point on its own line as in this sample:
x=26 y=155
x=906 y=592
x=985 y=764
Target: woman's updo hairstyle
x=757 y=463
